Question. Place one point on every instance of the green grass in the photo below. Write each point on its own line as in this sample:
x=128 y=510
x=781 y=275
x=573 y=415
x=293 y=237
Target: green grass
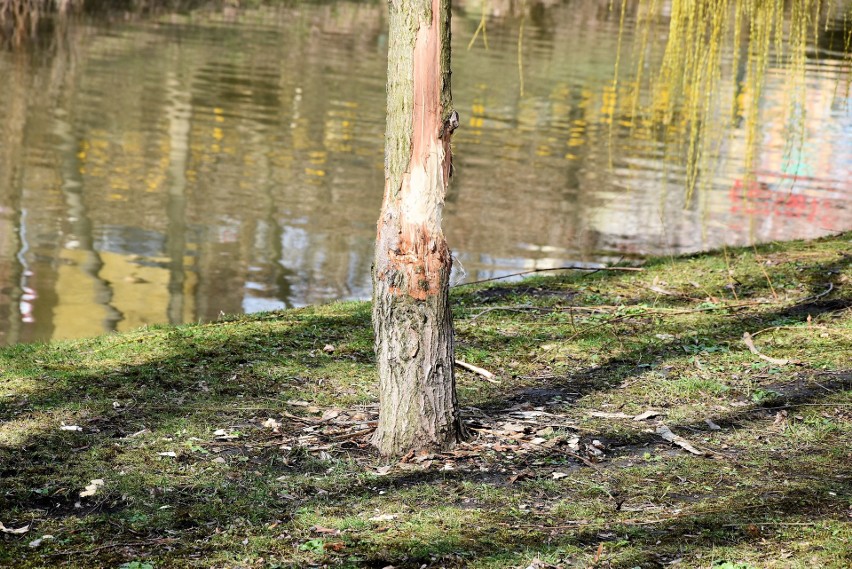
x=774 y=488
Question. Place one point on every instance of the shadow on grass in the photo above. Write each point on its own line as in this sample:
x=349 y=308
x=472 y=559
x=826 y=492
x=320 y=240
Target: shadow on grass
x=229 y=374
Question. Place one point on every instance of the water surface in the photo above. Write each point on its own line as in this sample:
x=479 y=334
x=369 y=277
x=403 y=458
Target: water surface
x=232 y=161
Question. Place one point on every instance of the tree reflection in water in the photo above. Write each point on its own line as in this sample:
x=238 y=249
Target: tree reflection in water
x=168 y=169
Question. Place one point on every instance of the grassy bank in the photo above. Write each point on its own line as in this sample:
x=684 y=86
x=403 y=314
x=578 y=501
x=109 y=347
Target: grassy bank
x=632 y=426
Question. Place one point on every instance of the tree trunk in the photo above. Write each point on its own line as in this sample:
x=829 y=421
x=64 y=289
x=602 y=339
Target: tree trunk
x=411 y=312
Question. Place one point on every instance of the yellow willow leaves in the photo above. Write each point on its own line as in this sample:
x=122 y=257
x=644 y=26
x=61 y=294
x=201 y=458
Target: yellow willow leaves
x=713 y=71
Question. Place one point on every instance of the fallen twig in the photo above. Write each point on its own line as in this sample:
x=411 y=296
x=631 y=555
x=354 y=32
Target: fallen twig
x=565 y=268
x=350 y=436
x=765 y=274
x=817 y=296
x=771 y=524
x=642 y=522
x=750 y=344
x=598 y=554
x=668 y=435
x=519 y=308
x=661 y=290
x=484 y=373
x=795 y=405
x=111 y=546
x=24 y=529
x=584 y=460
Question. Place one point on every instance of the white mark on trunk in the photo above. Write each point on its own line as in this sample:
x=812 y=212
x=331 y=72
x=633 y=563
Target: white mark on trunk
x=423 y=199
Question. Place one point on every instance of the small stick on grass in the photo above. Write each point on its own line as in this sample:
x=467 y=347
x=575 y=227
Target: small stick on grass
x=765 y=274
x=731 y=275
x=565 y=268
x=519 y=308
x=486 y=375
x=751 y=347
x=355 y=435
x=817 y=296
x=158 y=541
x=585 y=461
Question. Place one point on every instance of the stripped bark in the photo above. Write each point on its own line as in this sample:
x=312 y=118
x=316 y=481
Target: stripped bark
x=411 y=313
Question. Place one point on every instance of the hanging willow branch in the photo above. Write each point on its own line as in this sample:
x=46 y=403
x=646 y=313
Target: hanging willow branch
x=714 y=70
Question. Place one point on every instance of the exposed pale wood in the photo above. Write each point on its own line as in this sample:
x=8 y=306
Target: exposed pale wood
x=418 y=408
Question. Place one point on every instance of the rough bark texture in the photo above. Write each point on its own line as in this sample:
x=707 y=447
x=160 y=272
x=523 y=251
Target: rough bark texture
x=411 y=314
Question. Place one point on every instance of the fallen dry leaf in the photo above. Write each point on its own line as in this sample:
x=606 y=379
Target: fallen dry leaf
x=330 y=414
x=224 y=435
x=320 y=529
x=649 y=414
x=519 y=476
x=594 y=451
x=92 y=488
x=383 y=470
x=271 y=423
x=558 y=475
x=383 y=517
x=752 y=530
x=70 y=428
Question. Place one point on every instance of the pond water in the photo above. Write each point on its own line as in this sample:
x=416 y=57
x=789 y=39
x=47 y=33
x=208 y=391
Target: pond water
x=231 y=160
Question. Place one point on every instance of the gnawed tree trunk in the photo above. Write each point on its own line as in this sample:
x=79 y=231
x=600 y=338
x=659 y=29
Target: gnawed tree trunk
x=411 y=313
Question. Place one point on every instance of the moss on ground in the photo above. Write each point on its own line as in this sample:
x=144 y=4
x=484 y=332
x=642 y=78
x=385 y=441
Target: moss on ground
x=244 y=443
